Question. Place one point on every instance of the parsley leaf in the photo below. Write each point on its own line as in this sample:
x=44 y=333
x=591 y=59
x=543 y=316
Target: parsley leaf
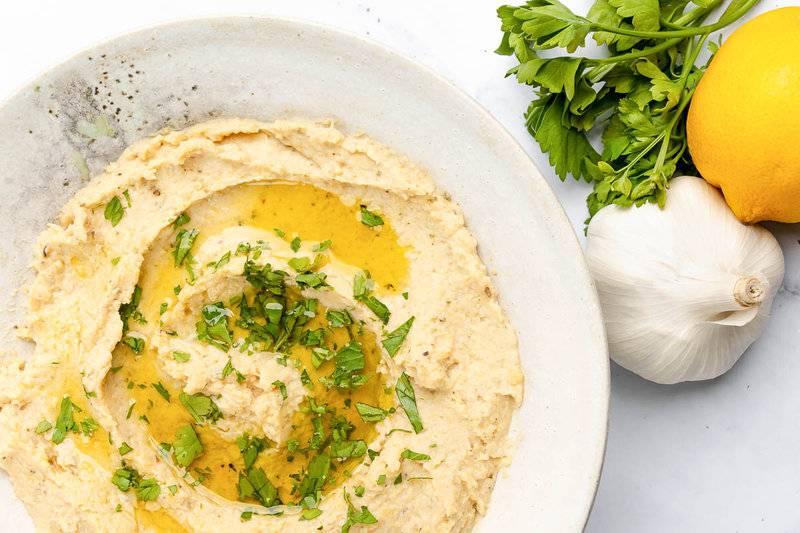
x=114 y=211
x=213 y=327
x=201 y=407
x=161 y=390
x=281 y=386
x=363 y=293
x=184 y=241
x=255 y=484
x=187 y=446
x=65 y=422
x=637 y=94
x=408 y=401
x=148 y=490
x=414 y=456
x=392 y=341
x=125 y=448
x=363 y=516
x=369 y=413
x=370 y=219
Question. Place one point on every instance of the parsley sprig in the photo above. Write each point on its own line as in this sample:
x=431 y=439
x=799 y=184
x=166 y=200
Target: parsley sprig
x=637 y=95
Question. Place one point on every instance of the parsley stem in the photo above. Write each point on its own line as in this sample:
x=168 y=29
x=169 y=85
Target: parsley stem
x=638 y=53
x=687 y=32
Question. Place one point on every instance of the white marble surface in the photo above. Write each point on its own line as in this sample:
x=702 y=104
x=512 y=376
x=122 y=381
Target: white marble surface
x=716 y=456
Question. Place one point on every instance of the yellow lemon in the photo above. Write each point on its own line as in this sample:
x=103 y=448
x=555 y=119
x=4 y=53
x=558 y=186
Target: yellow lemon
x=744 y=120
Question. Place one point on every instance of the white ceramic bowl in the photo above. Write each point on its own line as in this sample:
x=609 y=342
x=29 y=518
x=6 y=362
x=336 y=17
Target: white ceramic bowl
x=181 y=73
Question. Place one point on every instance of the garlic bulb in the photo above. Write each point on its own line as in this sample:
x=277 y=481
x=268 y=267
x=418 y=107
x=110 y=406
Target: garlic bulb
x=684 y=289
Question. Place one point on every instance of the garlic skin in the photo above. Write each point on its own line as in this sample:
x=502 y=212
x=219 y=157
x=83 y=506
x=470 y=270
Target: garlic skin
x=684 y=289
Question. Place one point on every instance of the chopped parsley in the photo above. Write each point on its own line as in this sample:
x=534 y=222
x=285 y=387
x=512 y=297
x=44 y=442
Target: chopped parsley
x=184 y=241
x=88 y=426
x=126 y=478
x=114 y=211
x=255 y=484
x=180 y=220
x=134 y=342
x=393 y=340
x=181 y=357
x=124 y=448
x=363 y=516
x=65 y=422
x=362 y=292
x=313 y=280
x=369 y=413
x=187 y=446
x=300 y=264
x=408 y=401
x=161 y=390
x=201 y=407
x=295 y=244
x=213 y=326
x=322 y=246
x=281 y=386
x=349 y=362
x=43 y=427
x=414 y=456
x=148 y=490
x=222 y=261
x=370 y=219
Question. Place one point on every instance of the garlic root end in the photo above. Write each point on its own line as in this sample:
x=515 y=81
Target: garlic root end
x=750 y=291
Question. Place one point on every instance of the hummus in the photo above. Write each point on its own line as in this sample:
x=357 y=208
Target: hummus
x=259 y=327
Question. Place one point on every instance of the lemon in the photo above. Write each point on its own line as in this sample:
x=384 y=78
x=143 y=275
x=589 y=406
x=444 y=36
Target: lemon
x=743 y=126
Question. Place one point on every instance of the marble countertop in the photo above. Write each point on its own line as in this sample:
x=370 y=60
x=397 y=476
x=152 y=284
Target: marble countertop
x=715 y=456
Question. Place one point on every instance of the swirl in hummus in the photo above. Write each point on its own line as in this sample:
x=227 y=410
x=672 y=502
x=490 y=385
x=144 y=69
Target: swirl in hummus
x=260 y=327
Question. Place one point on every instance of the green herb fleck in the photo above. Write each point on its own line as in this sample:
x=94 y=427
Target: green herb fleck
x=370 y=219
x=114 y=211
x=408 y=401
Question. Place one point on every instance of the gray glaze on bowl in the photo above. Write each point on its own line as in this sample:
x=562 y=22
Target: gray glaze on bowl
x=175 y=75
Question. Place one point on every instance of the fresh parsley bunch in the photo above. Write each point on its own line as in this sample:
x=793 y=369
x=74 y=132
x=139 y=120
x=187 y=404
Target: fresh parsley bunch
x=637 y=96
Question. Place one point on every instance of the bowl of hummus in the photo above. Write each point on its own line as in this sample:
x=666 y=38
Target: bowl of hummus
x=241 y=299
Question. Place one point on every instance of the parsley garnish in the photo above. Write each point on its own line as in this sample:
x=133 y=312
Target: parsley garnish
x=255 y=484
x=148 y=490
x=414 y=456
x=281 y=386
x=363 y=293
x=126 y=478
x=180 y=220
x=370 y=413
x=349 y=361
x=125 y=448
x=314 y=280
x=43 y=427
x=295 y=244
x=300 y=264
x=392 y=341
x=184 y=241
x=364 y=516
x=187 y=446
x=408 y=401
x=213 y=326
x=114 y=211
x=370 y=219
x=134 y=342
x=88 y=426
x=65 y=422
x=201 y=407
x=161 y=390
x=322 y=246
x=181 y=357
x=222 y=261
